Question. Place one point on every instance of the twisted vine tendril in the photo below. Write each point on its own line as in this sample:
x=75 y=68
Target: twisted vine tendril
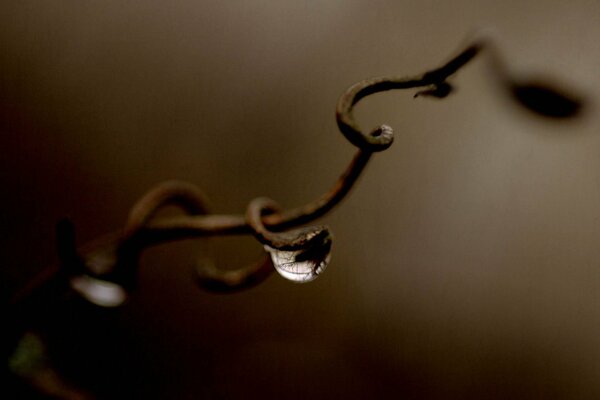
x=114 y=258
x=104 y=270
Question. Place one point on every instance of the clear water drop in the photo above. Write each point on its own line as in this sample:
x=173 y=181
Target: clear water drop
x=99 y=292
x=301 y=265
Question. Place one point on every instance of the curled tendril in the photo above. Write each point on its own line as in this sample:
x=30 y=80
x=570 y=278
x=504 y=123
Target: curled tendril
x=264 y=218
x=193 y=201
x=382 y=137
x=216 y=279
x=298 y=254
x=298 y=239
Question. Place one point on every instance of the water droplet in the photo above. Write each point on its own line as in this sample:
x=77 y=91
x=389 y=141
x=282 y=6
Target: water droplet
x=302 y=265
x=99 y=292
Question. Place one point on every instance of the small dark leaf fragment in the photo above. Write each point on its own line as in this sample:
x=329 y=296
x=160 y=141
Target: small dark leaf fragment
x=546 y=101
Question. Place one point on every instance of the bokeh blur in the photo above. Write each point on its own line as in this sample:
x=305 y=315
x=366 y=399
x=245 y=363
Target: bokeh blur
x=465 y=262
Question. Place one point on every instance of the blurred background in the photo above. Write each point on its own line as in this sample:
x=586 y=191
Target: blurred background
x=465 y=261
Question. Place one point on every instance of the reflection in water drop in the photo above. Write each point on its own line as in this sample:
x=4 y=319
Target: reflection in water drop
x=301 y=265
x=99 y=292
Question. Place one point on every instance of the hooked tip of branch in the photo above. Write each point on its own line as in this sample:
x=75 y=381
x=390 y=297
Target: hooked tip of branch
x=438 y=90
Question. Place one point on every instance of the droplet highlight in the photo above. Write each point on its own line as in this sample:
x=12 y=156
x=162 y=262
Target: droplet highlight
x=303 y=265
x=99 y=292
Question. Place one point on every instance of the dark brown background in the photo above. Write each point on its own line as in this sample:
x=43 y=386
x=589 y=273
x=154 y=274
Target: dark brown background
x=466 y=262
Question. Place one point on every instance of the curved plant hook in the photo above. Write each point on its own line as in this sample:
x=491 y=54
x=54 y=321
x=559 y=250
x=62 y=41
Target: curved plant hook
x=382 y=137
x=114 y=254
x=299 y=255
x=192 y=200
